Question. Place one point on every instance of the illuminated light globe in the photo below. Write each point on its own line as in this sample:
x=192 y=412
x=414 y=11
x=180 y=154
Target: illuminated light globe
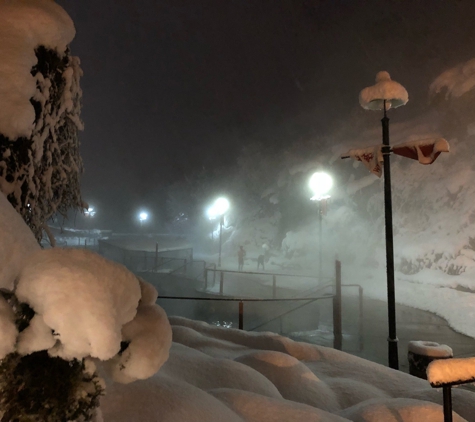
x=90 y=212
x=320 y=183
x=211 y=213
x=220 y=206
x=143 y=216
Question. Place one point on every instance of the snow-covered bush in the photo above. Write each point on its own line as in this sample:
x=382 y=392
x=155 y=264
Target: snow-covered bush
x=39 y=111
x=67 y=307
x=60 y=308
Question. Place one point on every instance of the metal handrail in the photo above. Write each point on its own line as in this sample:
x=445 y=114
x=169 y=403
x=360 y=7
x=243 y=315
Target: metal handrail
x=292 y=310
x=264 y=273
x=242 y=300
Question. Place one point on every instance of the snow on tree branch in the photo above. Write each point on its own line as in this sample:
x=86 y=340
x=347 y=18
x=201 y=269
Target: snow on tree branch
x=40 y=101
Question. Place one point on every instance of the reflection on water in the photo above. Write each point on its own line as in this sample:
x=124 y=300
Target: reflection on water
x=224 y=324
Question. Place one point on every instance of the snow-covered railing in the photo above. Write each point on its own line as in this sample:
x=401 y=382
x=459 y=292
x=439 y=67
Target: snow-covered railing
x=446 y=373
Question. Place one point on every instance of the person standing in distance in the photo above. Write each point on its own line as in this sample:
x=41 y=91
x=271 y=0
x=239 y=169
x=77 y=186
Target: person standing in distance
x=241 y=255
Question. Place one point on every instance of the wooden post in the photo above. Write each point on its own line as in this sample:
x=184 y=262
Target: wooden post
x=274 y=287
x=337 y=334
x=221 y=283
x=241 y=315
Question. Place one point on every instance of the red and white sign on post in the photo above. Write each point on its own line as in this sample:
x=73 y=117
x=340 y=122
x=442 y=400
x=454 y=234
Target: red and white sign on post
x=425 y=151
x=371 y=157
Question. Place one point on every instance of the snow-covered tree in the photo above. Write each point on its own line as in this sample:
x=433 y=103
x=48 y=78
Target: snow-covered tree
x=40 y=101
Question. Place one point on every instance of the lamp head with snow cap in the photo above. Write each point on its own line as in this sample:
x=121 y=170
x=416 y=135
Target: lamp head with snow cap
x=385 y=91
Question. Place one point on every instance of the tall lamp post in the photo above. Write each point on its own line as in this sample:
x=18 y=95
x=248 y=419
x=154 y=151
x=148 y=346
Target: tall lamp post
x=218 y=209
x=320 y=183
x=384 y=95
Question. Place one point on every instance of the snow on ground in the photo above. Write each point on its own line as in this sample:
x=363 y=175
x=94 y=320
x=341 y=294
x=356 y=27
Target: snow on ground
x=221 y=374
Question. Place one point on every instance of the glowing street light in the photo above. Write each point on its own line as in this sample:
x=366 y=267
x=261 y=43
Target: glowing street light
x=143 y=216
x=320 y=183
x=218 y=209
x=90 y=212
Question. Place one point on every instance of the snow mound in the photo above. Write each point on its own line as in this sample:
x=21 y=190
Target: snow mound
x=220 y=374
x=149 y=336
x=83 y=297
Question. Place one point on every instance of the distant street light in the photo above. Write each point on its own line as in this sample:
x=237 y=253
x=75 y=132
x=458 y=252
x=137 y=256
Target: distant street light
x=143 y=216
x=90 y=212
x=218 y=209
x=320 y=183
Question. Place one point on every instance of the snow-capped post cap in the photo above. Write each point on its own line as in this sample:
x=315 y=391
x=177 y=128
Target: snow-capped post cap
x=372 y=97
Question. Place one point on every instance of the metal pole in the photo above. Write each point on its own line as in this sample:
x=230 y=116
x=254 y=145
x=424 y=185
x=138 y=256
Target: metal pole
x=241 y=315
x=447 y=397
x=206 y=279
x=156 y=256
x=221 y=283
x=360 y=329
x=220 y=238
x=337 y=335
x=320 y=218
x=274 y=287
x=388 y=214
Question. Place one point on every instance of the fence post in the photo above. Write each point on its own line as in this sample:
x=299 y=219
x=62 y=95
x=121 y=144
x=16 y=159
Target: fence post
x=221 y=283
x=185 y=266
x=156 y=257
x=337 y=335
x=241 y=315
x=360 y=296
x=206 y=279
x=274 y=287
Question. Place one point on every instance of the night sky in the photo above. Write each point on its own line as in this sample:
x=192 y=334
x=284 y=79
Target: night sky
x=175 y=86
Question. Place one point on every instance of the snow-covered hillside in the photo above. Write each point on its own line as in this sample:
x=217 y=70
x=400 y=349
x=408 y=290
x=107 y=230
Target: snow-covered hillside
x=433 y=215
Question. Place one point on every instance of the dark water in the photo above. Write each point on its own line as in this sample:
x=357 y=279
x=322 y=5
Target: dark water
x=364 y=330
